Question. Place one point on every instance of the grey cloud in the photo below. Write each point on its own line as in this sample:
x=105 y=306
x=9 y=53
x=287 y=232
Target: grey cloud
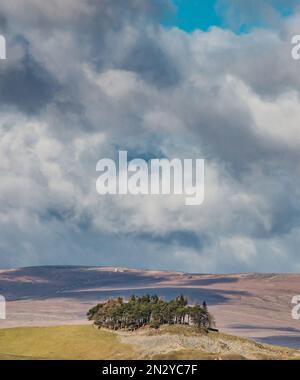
x=240 y=13
x=92 y=25
x=27 y=86
x=150 y=60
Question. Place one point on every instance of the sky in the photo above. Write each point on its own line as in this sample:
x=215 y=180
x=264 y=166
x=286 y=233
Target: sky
x=194 y=14
x=158 y=78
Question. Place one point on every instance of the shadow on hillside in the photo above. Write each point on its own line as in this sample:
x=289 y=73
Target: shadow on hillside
x=211 y=281
x=275 y=328
x=194 y=295
x=281 y=340
x=39 y=282
x=89 y=283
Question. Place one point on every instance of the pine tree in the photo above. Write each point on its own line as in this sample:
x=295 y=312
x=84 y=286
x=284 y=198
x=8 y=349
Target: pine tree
x=149 y=310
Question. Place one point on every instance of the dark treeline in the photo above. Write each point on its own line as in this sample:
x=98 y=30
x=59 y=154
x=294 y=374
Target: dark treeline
x=149 y=310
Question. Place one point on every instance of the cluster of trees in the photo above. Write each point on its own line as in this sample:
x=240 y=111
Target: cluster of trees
x=149 y=310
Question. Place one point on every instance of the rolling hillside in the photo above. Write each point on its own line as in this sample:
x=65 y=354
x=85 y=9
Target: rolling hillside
x=173 y=342
x=256 y=306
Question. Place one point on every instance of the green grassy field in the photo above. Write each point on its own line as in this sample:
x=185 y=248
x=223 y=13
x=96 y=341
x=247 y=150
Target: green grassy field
x=61 y=342
x=87 y=342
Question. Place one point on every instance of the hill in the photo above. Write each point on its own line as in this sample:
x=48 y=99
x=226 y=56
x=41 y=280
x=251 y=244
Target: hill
x=173 y=342
x=257 y=306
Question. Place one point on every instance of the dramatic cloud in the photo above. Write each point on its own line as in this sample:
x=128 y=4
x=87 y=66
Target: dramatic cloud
x=84 y=79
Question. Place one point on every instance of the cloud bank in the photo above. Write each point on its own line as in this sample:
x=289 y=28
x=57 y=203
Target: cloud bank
x=84 y=79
